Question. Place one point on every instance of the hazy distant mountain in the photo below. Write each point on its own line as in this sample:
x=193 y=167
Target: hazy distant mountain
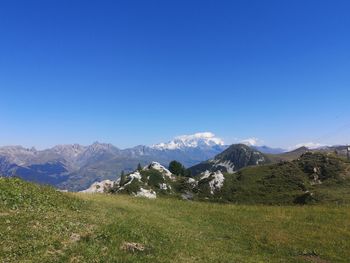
x=289 y=156
x=75 y=166
x=266 y=149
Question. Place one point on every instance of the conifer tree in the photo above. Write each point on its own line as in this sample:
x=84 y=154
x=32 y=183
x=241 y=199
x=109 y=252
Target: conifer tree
x=122 y=178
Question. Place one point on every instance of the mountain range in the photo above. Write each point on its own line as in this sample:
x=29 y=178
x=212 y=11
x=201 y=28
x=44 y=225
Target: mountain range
x=75 y=167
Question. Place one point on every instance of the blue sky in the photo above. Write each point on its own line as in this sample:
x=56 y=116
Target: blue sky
x=141 y=72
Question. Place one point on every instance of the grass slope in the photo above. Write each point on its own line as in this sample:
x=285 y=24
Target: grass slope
x=38 y=224
x=314 y=178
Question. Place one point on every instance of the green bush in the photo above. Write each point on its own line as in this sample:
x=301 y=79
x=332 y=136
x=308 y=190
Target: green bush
x=152 y=177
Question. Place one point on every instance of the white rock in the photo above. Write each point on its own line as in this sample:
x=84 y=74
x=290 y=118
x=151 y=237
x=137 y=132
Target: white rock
x=146 y=193
x=131 y=177
x=192 y=182
x=99 y=187
x=227 y=164
x=160 y=168
x=163 y=186
x=217 y=182
x=205 y=174
x=135 y=175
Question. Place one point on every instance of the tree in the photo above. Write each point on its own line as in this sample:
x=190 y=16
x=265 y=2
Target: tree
x=177 y=168
x=139 y=167
x=122 y=178
x=188 y=173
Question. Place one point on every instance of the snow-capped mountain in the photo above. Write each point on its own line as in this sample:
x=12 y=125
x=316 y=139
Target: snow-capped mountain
x=74 y=166
x=203 y=139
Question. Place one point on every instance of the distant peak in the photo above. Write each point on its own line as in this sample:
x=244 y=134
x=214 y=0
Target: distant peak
x=308 y=145
x=96 y=143
x=192 y=141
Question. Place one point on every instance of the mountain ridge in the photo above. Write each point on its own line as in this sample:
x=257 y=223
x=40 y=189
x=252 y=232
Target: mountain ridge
x=77 y=166
x=232 y=159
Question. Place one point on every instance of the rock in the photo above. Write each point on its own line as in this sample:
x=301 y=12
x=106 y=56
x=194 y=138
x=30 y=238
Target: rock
x=216 y=180
x=150 y=194
x=99 y=187
x=187 y=196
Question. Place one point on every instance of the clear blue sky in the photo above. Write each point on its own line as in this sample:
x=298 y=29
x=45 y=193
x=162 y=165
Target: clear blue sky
x=140 y=72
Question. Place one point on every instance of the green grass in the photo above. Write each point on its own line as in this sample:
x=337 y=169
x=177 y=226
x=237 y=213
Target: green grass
x=171 y=230
x=18 y=194
x=288 y=183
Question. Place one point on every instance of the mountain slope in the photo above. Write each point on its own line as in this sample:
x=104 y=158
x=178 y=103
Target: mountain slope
x=289 y=156
x=313 y=178
x=232 y=159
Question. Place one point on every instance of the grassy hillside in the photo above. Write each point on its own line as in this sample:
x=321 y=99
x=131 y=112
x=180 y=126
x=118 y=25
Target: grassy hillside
x=42 y=225
x=311 y=179
x=18 y=194
x=288 y=156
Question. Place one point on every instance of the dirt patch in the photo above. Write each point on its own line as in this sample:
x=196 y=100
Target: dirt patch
x=4 y=214
x=132 y=247
x=314 y=259
x=75 y=237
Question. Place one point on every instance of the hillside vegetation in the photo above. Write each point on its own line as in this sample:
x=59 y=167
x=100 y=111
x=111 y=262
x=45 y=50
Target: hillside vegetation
x=38 y=224
x=313 y=178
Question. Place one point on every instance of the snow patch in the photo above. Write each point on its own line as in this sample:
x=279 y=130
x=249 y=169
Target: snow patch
x=191 y=141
